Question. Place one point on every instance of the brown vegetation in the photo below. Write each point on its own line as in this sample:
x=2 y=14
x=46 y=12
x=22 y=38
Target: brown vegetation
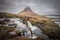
x=7 y=15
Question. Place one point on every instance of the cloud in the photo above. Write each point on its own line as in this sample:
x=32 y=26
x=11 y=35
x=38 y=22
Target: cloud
x=43 y=7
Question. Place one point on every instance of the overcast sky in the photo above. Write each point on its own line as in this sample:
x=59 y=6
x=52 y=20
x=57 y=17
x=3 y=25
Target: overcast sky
x=43 y=7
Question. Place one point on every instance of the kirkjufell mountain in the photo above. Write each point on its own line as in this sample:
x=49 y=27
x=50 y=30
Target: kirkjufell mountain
x=44 y=23
x=27 y=12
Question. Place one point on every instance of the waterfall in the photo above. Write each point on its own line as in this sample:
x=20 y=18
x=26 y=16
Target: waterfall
x=29 y=24
x=36 y=32
x=31 y=30
x=28 y=30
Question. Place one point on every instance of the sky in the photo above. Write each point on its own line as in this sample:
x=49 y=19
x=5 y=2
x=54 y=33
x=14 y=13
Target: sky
x=41 y=7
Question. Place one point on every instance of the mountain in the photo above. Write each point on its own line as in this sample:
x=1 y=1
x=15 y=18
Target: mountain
x=27 y=12
x=7 y=15
x=44 y=23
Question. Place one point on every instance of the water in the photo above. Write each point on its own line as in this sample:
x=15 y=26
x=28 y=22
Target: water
x=57 y=21
x=37 y=31
x=12 y=33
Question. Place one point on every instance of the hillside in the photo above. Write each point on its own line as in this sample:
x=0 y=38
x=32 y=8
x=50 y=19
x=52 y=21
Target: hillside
x=7 y=15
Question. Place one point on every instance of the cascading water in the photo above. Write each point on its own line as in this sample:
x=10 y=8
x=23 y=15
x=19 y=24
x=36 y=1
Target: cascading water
x=37 y=32
x=30 y=31
x=20 y=26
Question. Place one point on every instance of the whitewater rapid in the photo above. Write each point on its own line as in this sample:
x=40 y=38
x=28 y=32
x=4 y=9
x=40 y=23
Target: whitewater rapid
x=28 y=29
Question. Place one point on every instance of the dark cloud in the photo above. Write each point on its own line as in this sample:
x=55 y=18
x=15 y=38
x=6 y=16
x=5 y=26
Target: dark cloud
x=57 y=6
x=43 y=7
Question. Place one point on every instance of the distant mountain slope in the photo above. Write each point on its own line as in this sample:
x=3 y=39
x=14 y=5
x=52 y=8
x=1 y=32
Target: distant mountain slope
x=7 y=15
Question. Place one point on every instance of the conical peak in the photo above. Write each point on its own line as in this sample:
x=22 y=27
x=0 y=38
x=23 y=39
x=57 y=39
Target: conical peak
x=27 y=9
